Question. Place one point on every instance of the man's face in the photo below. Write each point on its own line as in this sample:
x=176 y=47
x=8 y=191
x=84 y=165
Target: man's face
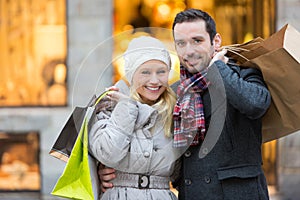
x=193 y=45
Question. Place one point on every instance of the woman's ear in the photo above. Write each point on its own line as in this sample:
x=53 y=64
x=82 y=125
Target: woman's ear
x=217 y=41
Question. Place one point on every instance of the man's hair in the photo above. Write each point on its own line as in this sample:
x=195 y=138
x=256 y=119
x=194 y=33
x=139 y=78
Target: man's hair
x=192 y=15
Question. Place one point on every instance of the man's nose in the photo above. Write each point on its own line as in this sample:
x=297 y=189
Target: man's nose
x=189 y=49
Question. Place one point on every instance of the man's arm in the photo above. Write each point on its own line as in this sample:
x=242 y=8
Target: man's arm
x=105 y=175
x=245 y=87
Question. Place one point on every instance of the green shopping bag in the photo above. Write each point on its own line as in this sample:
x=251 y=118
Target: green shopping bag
x=79 y=179
x=75 y=182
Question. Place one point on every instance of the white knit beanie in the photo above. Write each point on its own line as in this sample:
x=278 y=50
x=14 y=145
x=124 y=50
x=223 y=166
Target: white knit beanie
x=141 y=50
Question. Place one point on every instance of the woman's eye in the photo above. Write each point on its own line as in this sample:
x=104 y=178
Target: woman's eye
x=145 y=72
x=161 y=71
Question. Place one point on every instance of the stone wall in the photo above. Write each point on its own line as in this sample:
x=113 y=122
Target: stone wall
x=89 y=27
x=289 y=147
x=288 y=12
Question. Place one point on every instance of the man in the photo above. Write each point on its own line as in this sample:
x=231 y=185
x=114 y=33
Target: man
x=222 y=163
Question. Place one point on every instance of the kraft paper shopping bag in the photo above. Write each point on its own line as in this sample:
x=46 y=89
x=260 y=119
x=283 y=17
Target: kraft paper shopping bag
x=278 y=58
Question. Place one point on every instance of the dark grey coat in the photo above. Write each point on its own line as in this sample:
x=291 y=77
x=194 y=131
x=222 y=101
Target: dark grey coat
x=227 y=165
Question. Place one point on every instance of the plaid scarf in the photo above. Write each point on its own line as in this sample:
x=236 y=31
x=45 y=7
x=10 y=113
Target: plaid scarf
x=188 y=115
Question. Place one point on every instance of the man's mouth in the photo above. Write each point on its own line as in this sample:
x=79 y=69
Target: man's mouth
x=191 y=62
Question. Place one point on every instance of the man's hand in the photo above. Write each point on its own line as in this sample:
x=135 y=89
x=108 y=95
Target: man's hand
x=219 y=55
x=106 y=175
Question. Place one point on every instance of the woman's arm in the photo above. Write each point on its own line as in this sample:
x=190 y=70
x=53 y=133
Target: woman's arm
x=109 y=137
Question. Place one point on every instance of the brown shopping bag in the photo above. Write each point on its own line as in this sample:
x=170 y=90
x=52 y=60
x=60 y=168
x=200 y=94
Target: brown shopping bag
x=278 y=57
x=242 y=53
x=281 y=71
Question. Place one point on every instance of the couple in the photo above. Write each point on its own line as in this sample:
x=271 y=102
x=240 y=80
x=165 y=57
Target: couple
x=135 y=137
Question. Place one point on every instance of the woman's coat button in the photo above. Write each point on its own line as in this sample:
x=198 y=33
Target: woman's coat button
x=146 y=154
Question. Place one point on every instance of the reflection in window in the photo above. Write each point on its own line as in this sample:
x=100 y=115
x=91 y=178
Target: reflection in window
x=33 y=53
x=19 y=162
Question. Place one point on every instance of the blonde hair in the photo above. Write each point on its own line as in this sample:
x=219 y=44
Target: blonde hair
x=166 y=101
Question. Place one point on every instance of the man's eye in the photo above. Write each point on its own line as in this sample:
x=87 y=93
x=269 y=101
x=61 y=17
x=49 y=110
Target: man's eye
x=180 y=43
x=196 y=41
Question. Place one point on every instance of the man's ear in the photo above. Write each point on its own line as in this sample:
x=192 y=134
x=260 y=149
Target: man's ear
x=217 y=41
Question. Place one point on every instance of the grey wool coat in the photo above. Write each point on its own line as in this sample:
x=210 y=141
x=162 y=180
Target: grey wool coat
x=227 y=165
x=130 y=138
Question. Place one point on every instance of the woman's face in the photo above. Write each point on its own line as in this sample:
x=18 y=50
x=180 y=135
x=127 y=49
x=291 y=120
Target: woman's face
x=150 y=80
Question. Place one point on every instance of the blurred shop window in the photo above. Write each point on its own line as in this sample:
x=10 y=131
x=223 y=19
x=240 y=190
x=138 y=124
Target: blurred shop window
x=140 y=20
x=250 y=19
x=33 y=53
x=144 y=17
x=19 y=161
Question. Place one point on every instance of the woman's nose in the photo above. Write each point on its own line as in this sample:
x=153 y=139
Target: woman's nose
x=154 y=78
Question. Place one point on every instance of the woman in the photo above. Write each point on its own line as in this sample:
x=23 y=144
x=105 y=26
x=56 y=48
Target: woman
x=135 y=137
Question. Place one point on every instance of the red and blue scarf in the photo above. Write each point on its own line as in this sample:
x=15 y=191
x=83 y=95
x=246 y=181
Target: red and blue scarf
x=188 y=115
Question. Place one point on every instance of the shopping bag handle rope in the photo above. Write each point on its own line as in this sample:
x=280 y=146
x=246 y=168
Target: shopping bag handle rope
x=101 y=96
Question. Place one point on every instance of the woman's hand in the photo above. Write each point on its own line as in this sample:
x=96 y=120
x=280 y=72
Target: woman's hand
x=115 y=94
